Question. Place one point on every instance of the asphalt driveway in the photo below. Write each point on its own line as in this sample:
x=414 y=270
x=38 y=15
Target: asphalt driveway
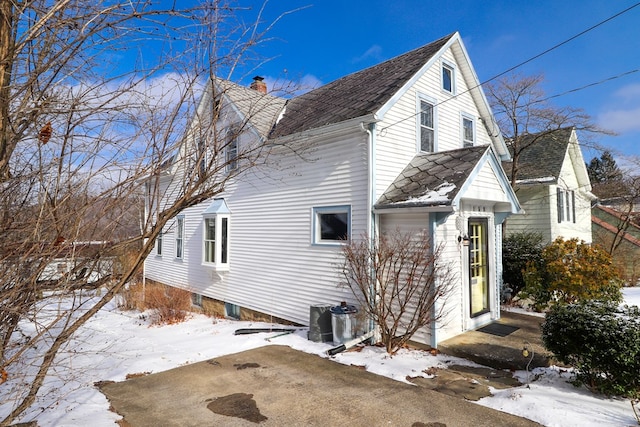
x=279 y=386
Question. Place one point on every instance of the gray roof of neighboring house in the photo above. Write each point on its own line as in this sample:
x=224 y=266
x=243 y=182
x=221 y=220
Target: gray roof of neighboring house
x=432 y=179
x=354 y=95
x=544 y=158
x=260 y=110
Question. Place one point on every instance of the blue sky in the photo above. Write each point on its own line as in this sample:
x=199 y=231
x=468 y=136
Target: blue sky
x=331 y=38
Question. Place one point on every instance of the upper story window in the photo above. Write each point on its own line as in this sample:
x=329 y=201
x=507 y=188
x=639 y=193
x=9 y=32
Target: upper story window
x=427 y=126
x=566 y=201
x=216 y=235
x=331 y=224
x=202 y=157
x=468 y=131
x=180 y=237
x=231 y=149
x=448 y=78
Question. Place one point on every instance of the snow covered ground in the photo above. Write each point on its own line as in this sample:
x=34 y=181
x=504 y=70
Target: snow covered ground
x=117 y=343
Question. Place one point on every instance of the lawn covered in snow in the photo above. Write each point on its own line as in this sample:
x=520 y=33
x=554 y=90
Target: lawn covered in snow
x=116 y=343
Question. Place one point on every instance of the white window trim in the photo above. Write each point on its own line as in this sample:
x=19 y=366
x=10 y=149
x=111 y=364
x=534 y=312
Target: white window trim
x=432 y=101
x=233 y=137
x=315 y=221
x=159 y=244
x=450 y=66
x=565 y=205
x=465 y=142
x=179 y=237
x=221 y=261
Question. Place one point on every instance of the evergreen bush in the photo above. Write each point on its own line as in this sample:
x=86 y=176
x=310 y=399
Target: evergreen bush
x=518 y=250
x=601 y=341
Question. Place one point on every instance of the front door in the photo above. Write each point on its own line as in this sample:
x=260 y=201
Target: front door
x=478 y=266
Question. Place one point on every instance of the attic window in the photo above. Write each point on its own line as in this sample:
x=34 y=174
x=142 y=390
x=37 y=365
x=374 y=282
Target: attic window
x=448 y=75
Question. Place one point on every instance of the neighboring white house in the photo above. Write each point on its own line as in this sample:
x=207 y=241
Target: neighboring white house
x=403 y=144
x=553 y=187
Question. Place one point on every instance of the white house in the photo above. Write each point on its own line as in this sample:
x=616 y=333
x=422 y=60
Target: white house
x=403 y=144
x=553 y=187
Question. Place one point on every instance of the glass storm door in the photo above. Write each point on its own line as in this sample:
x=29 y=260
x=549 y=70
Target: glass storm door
x=478 y=266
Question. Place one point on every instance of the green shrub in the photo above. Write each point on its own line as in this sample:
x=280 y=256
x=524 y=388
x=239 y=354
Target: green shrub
x=601 y=341
x=518 y=250
x=571 y=271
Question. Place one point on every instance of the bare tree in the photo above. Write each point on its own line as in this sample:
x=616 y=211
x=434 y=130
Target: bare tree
x=525 y=115
x=82 y=131
x=401 y=282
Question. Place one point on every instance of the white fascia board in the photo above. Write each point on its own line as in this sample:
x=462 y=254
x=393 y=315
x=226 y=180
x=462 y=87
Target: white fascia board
x=491 y=158
x=409 y=83
x=477 y=93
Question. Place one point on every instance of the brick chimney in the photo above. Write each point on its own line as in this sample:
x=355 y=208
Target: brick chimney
x=259 y=84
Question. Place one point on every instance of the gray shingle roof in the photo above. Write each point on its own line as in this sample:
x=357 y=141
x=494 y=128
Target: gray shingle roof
x=432 y=179
x=544 y=158
x=354 y=95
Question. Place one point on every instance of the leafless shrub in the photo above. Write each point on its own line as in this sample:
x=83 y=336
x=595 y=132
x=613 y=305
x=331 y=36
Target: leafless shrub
x=168 y=305
x=401 y=282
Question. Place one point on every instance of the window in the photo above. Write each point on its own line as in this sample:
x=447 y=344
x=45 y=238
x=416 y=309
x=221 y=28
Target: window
x=179 y=237
x=331 y=224
x=216 y=235
x=231 y=150
x=209 y=240
x=232 y=310
x=566 y=200
x=159 y=244
x=468 y=131
x=196 y=299
x=447 y=78
x=202 y=157
x=427 y=130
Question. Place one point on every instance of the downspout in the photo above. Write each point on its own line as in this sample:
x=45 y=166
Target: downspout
x=370 y=129
x=433 y=219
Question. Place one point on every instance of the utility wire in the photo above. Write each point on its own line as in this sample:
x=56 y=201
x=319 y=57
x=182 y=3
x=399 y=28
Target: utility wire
x=532 y=59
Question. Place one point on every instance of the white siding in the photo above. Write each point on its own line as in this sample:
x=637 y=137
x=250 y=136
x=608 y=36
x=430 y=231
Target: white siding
x=397 y=136
x=274 y=267
x=538 y=204
x=414 y=223
x=541 y=207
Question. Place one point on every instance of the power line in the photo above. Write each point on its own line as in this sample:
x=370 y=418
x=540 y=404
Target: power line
x=532 y=59
x=599 y=82
x=570 y=39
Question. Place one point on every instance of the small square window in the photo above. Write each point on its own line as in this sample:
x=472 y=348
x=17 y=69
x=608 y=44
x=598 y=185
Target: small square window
x=196 y=299
x=232 y=311
x=447 y=78
x=332 y=224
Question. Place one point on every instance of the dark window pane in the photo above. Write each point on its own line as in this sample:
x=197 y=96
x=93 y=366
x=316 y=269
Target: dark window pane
x=334 y=226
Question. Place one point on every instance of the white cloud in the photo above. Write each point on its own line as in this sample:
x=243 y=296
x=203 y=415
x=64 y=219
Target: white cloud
x=622 y=113
x=374 y=52
x=621 y=120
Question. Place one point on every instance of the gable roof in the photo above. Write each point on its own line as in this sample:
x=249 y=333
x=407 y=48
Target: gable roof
x=355 y=95
x=259 y=110
x=542 y=161
x=432 y=179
